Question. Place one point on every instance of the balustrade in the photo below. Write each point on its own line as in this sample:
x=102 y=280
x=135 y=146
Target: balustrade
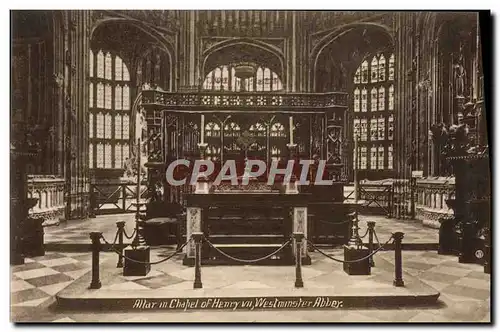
x=431 y=196
x=234 y=100
x=49 y=190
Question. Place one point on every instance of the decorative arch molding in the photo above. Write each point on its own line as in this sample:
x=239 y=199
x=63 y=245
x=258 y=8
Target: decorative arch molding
x=165 y=43
x=217 y=47
x=337 y=33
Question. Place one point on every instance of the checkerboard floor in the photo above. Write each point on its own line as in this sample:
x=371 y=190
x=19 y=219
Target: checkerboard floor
x=465 y=290
x=78 y=232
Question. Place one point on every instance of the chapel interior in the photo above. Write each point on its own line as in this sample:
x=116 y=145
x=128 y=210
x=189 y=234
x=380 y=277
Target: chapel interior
x=103 y=101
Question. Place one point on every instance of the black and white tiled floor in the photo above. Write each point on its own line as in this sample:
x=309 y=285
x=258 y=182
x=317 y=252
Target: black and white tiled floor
x=465 y=293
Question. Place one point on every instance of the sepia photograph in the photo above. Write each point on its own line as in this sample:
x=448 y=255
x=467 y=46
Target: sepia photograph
x=250 y=166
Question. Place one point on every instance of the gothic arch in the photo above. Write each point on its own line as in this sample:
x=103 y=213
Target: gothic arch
x=164 y=43
x=259 y=46
x=339 y=32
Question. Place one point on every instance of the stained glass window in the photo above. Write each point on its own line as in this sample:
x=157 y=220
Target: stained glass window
x=373 y=129
x=118 y=97
x=364 y=100
x=107 y=66
x=107 y=126
x=381 y=68
x=381 y=98
x=107 y=96
x=126 y=152
x=91 y=64
x=373 y=100
x=390 y=160
x=364 y=72
x=118 y=156
x=107 y=156
x=373 y=157
x=260 y=79
x=267 y=79
x=276 y=83
x=91 y=125
x=374 y=70
x=224 y=77
x=126 y=98
x=91 y=155
x=100 y=155
x=126 y=75
x=100 y=125
x=126 y=127
x=391 y=98
x=91 y=95
x=100 y=95
x=118 y=126
x=217 y=79
x=356 y=128
x=380 y=157
x=363 y=157
x=381 y=128
x=357 y=76
x=391 y=68
x=118 y=69
x=373 y=88
x=249 y=84
x=364 y=130
x=390 y=131
x=356 y=100
x=108 y=131
x=100 y=64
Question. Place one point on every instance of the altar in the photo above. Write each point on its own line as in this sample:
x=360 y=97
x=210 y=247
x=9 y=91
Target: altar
x=271 y=127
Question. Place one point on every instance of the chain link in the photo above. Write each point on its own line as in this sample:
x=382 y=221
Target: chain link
x=354 y=261
x=248 y=260
x=131 y=236
x=178 y=250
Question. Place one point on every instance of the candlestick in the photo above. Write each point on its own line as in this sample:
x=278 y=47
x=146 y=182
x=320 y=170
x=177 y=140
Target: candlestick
x=202 y=128
x=291 y=129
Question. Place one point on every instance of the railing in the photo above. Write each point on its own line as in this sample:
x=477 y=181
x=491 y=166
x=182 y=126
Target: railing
x=235 y=100
x=431 y=196
x=49 y=190
x=376 y=196
x=116 y=196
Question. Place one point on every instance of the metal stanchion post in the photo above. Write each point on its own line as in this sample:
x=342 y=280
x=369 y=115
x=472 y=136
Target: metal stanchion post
x=298 y=236
x=121 y=229
x=96 y=247
x=371 y=230
x=197 y=237
x=398 y=264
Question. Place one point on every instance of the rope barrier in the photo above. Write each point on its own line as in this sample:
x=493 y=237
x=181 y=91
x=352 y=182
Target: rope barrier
x=248 y=260
x=150 y=263
x=131 y=236
x=354 y=261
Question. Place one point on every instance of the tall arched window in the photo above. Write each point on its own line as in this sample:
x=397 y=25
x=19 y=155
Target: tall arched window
x=373 y=94
x=109 y=110
x=224 y=78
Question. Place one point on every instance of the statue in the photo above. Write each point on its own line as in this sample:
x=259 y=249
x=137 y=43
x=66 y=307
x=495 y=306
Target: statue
x=459 y=75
